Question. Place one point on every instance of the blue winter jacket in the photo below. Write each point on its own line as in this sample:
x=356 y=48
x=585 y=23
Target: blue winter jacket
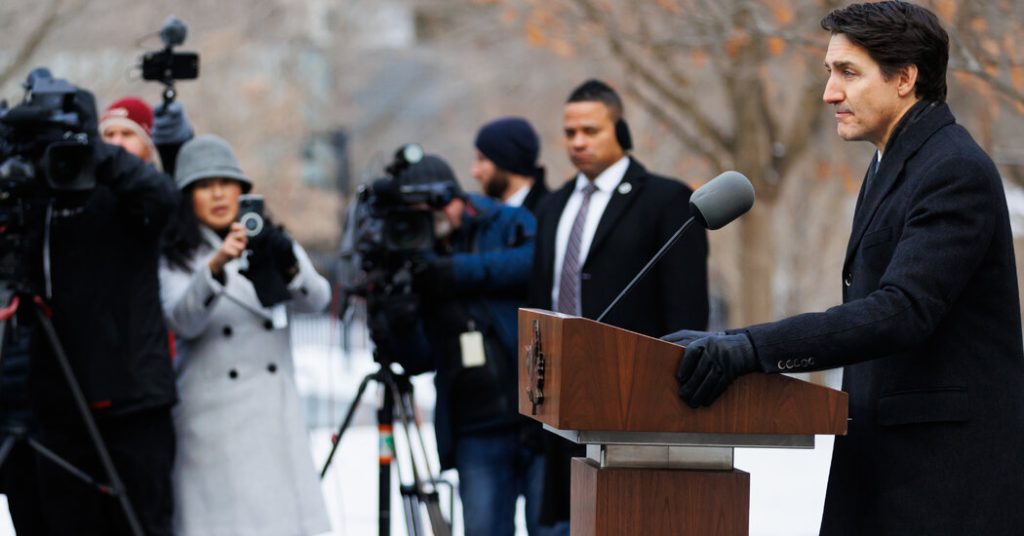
x=480 y=288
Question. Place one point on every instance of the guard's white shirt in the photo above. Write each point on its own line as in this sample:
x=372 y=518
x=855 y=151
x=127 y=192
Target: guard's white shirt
x=606 y=184
x=517 y=199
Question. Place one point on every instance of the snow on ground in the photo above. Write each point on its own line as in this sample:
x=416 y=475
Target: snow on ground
x=787 y=486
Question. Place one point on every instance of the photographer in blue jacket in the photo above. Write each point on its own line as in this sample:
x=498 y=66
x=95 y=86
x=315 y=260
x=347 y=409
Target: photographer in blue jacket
x=465 y=329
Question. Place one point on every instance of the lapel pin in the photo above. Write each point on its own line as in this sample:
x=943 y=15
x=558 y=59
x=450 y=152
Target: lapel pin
x=625 y=188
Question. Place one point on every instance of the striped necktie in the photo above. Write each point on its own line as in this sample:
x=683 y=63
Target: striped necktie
x=569 y=283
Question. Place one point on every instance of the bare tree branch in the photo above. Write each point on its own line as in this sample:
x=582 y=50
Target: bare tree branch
x=704 y=126
x=676 y=127
x=44 y=27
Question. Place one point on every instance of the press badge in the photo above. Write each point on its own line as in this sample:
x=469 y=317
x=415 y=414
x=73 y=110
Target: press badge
x=472 y=343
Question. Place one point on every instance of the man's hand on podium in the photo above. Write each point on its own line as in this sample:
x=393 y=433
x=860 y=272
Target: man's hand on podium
x=711 y=363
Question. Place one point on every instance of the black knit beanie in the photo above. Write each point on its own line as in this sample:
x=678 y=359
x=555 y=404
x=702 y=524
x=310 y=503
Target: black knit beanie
x=511 y=143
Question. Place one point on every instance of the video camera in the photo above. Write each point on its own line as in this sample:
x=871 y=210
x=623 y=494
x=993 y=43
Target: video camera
x=47 y=145
x=389 y=231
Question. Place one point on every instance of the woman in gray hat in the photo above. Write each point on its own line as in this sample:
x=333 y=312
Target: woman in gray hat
x=243 y=461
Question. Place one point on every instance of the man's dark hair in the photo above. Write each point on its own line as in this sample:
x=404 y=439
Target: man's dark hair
x=597 y=91
x=896 y=34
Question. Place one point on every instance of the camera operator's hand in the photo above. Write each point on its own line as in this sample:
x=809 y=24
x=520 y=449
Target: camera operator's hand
x=435 y=278
x=232 y=248
x=170 y=125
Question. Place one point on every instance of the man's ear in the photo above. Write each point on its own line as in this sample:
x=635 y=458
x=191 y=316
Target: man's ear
x=907 y=77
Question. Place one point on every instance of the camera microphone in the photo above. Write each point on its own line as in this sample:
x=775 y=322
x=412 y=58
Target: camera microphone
x=173 y=32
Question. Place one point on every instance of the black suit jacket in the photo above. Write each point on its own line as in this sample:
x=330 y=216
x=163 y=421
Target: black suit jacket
x=644 y=211
x=537 y=193
x=930 y=335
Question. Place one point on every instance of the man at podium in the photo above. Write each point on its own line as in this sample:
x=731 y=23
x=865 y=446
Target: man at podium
x=929 y=332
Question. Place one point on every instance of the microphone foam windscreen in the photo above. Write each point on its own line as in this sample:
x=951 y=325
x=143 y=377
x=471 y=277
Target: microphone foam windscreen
x=723 y=199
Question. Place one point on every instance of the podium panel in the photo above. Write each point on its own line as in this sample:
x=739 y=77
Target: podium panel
x=667 y=502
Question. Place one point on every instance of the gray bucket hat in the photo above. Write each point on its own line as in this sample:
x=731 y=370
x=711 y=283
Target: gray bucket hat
x=208 y=156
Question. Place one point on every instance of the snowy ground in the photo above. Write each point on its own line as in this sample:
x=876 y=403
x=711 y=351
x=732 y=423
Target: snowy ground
x=787 y=486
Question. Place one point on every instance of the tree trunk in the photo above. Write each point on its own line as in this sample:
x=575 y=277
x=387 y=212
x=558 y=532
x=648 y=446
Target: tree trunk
x=753 y=304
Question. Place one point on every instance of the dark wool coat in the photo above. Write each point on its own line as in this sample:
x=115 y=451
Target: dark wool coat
x=930 y=336
x=103 y=257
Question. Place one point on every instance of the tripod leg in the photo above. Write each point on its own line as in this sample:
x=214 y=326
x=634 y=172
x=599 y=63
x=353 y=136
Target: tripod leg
x=385 y=418
x=116 y=486
x=430 y=500
x=345 y=423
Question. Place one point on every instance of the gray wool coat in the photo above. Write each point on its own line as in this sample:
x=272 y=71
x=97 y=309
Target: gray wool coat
x=243 y=464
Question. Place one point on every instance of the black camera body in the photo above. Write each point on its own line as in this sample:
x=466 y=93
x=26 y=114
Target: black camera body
x=250 y=214
x=389 y=233
x=48 y=146
x=166 y=65
x=46 y=137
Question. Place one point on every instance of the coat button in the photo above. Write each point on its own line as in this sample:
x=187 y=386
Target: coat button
x=268 y=325
x=272 y=368
x=227 y=331
x=848 y=279
x=233 y=374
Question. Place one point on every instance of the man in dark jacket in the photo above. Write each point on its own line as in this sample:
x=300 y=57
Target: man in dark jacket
x=929 y=330
x=597 y=232
x=470 y=295
x=97 y=273
x=506 y=163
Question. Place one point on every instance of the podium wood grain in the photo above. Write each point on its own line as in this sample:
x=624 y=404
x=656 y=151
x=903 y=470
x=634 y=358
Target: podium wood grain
x=602 y=378
x=658 y=502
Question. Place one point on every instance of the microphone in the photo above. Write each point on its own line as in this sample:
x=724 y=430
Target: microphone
x=723 y=199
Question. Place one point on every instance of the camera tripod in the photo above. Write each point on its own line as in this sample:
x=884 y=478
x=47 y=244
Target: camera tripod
x=19 y=432
x=421 y=492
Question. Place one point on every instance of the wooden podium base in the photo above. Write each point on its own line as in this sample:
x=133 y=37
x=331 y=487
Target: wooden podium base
x=676 y=502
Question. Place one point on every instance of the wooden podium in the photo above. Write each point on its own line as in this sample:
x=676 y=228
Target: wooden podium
x=654 y=465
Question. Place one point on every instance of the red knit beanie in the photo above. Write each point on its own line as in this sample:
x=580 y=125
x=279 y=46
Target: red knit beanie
x=133 y=109
x=133 y=113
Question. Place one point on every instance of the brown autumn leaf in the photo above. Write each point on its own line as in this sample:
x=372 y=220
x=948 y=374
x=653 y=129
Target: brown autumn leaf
x=979 y=25
x=509 y=15
x=1017 y=78
x=776 y=45
x=946 y=9
x=699 y=57
x=562 y=47
x=672 y=6
x=534 y=34
x=1010 y=47
x=782 y=11
x=735 y=44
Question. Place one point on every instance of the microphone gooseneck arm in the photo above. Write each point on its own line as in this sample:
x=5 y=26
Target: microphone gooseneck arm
x=650 y=264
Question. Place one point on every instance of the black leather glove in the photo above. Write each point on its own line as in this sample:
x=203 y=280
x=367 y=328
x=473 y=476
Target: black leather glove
x=271 y=288
x=435 y=278
x=684 y=337
x=279 y=246
x=711 y=363
x=171 y=125
x=272 y=264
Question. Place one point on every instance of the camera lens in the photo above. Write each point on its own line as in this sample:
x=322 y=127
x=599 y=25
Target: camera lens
x=252 y=222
